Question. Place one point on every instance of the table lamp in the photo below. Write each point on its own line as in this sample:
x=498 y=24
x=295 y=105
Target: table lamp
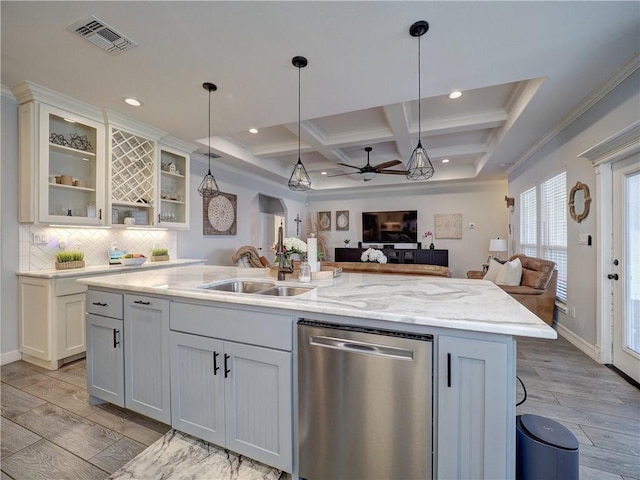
x=497 y=245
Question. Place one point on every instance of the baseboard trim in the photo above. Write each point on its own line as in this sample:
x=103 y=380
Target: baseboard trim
x=10 y=357
x=578 y=342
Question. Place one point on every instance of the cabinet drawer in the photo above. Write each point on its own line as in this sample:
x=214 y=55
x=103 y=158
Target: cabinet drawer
x=104 y=303
x=244 y=326
x=69 y=286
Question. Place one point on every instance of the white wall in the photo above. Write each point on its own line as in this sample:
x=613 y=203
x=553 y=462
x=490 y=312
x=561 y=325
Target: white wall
x=218 y=249
x=10 y=237
x=481 y=203
x=617 y=110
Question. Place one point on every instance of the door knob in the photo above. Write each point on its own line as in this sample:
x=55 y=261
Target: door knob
x=612 y=276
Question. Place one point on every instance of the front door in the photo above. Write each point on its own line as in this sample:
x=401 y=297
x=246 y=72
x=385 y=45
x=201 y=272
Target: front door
x=625 y=266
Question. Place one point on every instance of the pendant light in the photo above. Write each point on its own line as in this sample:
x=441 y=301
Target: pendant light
x=419 y=166
x=299 y=180
x=209 y=187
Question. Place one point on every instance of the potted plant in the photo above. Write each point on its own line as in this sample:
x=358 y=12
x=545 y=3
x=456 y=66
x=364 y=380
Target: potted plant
x=429 y=236
x=159 y=255
x=71 y=259
x=346 y=242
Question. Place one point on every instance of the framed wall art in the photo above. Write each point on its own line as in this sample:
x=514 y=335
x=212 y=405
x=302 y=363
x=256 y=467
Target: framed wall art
x=448 y=225
x=342 y=220
x=324 y=221
x=219 y=214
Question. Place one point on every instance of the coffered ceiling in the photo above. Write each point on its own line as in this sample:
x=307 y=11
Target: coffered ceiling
x=522 y=68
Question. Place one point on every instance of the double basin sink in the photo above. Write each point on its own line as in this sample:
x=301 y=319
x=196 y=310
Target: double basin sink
x=256 y=287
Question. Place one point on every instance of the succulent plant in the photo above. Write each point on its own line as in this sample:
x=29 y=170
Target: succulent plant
x=159 y=252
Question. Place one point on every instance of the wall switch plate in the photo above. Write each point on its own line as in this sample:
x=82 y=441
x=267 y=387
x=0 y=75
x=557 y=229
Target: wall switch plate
x=39 y=238
x=584 y=239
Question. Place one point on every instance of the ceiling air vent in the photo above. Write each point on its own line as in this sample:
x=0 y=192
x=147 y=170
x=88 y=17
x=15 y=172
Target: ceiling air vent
x=102 y=35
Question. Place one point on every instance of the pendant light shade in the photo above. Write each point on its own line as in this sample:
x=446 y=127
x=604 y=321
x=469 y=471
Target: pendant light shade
x=299 y=179
x=419 y=166
x=209 y=187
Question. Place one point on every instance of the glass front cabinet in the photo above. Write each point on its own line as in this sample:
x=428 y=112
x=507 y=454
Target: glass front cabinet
x=62 y=157
x=174 y=188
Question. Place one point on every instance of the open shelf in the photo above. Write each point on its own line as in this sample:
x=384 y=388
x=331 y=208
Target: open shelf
x=71 y=187
x=72 y=151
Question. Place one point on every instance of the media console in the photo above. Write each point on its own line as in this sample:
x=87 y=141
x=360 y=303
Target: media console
x=398 y=255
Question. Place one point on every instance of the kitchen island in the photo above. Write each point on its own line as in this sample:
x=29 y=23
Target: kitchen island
x=216 y=364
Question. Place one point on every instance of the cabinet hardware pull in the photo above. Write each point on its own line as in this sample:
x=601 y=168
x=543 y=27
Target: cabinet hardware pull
x=116 y=342
x=226 y=370
x=448 y=369
x=140 y=302
x=100 y=214
x=100 y=304
x=215 y=363
x=158 y=218
x=613 y=276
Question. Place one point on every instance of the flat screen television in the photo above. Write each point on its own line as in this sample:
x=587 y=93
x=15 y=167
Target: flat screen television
x=390 y=227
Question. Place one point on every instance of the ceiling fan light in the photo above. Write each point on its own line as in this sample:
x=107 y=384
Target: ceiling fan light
x=419 y=166
x=299 y=180
x=368 y=176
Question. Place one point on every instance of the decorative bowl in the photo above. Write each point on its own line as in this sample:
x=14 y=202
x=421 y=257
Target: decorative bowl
x=133 y=261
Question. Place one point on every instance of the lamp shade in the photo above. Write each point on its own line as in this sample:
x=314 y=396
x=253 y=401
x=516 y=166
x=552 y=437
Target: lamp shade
x=497 y=245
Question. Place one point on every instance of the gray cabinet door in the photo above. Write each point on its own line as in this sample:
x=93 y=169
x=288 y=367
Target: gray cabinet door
x=197 y=386
x=147 y=370
x=105 y=354
x=476 y=409
x=258 y=403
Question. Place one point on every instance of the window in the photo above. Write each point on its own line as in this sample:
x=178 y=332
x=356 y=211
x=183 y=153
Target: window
x=543 y=225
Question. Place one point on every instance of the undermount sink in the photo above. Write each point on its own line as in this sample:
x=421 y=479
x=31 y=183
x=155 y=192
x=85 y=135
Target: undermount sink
x=286 y=291
x=239 y=286
x=260 y=288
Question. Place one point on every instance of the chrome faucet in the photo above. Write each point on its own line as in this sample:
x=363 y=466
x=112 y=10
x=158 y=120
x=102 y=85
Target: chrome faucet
x=282 y=270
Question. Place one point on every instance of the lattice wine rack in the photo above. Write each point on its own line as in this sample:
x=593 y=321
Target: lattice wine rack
x=132 y=169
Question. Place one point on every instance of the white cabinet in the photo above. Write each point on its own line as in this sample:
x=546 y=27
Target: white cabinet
x=62 y=169
x=105 y=350
x=174 y=188
x=51 y=318
x=476 y=408
x=147 y=371
x=234 y=395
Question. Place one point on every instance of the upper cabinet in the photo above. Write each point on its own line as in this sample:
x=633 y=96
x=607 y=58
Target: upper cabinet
x=82 y=166
x=62 y=162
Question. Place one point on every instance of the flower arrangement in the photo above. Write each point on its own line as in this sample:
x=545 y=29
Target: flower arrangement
x=373 y=255
x=292 y=245
x=426 y=235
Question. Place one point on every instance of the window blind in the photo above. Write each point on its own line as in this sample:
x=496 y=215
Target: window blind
x=528 y=223
x=553 y=227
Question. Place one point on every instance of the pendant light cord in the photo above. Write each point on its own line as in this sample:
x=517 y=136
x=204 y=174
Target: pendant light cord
x=209 y=132
x=299 y=68
x=419 y=94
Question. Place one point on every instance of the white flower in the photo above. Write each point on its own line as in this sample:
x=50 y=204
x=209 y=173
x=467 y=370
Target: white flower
x=373 y=255
x=292 y=245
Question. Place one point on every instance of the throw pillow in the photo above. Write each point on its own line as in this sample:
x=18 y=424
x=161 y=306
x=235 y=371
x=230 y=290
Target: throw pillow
x=510 y=273
x=492 y=272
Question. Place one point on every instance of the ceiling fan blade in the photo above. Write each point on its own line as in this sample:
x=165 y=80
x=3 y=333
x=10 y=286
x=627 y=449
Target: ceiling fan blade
x=391 y=163
x=347 y=165
x=393 y=172
x=342 y=174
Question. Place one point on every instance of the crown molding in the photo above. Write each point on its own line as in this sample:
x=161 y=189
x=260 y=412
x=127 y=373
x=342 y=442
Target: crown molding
x=123 y=122
x=629 y=67
x=29 y=91
x=178 y=144
x=620 y=145
x=7 y=93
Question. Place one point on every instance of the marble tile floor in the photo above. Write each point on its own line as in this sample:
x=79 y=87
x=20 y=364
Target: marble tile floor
x=50 y=430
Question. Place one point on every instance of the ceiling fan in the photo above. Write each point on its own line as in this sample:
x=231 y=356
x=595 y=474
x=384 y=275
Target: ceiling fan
x=369 y=171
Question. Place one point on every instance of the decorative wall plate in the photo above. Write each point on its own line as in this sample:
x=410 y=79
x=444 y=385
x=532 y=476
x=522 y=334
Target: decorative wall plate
x=219 y=214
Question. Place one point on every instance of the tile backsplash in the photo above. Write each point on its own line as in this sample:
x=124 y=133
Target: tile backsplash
x=35 y=254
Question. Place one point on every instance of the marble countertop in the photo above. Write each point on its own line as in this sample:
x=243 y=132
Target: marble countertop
x=98 y=269
x=456 y=303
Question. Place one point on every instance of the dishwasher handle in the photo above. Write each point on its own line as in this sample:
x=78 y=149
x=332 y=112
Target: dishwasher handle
x=361 y=347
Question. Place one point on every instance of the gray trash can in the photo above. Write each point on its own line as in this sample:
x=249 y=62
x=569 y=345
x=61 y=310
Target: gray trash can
x=545 y=450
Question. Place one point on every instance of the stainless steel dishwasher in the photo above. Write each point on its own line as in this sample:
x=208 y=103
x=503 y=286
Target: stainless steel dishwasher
x=365 y=403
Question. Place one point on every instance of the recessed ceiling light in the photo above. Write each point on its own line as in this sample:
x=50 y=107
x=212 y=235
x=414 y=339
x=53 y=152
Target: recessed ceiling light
x=445 y=160
x=133 y=102
x=456 y=94
x=323 y=173
x=253 y=130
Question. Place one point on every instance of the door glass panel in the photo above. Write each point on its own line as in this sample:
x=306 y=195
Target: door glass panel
x=632 y=189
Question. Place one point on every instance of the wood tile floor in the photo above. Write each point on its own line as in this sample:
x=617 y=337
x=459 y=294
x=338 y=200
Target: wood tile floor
x=50 y=431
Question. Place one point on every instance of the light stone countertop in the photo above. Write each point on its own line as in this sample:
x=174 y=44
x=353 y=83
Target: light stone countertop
x=100 y=269
x=456 y=303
